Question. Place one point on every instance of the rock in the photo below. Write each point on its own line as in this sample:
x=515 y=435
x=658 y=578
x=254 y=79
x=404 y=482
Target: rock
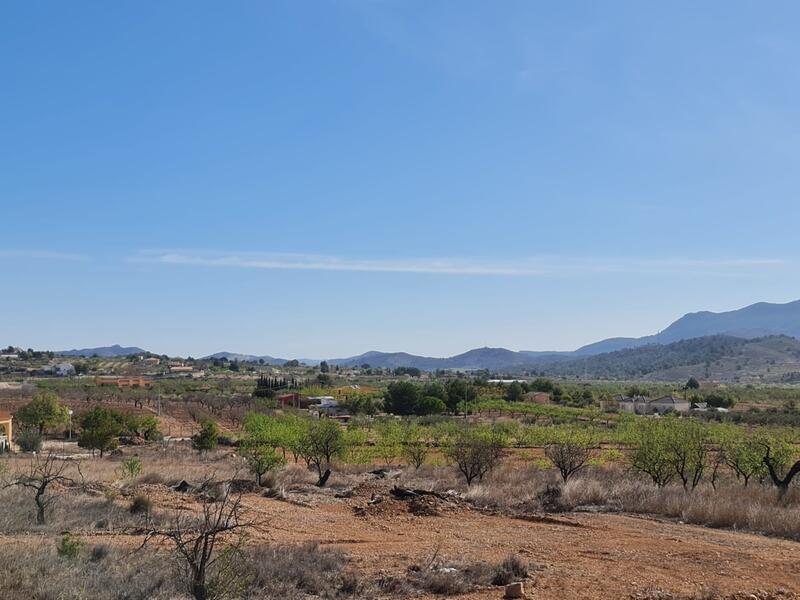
x=515 y=590
x=183 y=487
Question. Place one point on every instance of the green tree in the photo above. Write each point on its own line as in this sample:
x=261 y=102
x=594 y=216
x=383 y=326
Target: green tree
x=323 y=442
x=430 y=405
x=206 y=439
x=261 y=460
x=401 y=398
x=324 y=367
x=474 y=451
x=435 y=389
x=42 y=412
x=541 y=385
x=651 y=451
x=777 y=452
x=687 y=441
x=569 y=450
x=100 y=429
x=514 y=392
x=145 y=426
x=741 y=453
x=459 y=394
x=388 y=445
x=414 y=445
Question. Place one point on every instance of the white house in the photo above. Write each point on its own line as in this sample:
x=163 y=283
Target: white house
x=64 y=370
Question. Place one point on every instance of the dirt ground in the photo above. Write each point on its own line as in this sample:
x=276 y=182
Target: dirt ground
x=591 y=556
x=583 y=555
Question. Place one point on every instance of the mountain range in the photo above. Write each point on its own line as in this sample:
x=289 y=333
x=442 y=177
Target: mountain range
x=755 y=321
x=103 y=351
x=752 y=322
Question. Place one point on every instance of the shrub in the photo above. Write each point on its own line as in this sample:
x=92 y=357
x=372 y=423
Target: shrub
x=510 y=570
x=68 y=546
x=99 y=552
x=130 y=467
x=141 y=505
x=206 y=439
x=29 y=440
x=309 y=568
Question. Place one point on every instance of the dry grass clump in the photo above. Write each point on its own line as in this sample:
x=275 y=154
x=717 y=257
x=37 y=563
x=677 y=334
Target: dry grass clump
x=295 y=572
x=754 y=508
x=526 y=488
x=72 y=511
x=453 y=578
x=433 y=477
x=35 y=570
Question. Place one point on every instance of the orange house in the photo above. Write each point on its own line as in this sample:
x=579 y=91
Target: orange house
x=6 y=430
x=124 y=381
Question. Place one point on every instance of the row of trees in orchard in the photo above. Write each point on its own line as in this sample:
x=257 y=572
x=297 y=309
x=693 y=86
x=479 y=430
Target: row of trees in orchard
x=687 y=451
x=268 y=440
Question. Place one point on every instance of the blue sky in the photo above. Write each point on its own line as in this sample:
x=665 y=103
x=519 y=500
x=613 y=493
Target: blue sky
x=319 y=179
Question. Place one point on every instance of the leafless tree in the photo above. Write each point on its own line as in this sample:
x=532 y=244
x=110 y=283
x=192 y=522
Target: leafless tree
x=44 y=470
x=207 y=547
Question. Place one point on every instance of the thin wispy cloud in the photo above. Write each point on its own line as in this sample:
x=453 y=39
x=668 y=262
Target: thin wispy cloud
x=525 y=267
x=42 y=255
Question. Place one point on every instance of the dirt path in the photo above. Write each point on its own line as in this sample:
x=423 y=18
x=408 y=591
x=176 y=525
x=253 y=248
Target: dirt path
x=591 y=556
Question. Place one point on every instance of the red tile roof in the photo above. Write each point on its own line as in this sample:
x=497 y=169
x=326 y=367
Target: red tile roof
x=4 y=416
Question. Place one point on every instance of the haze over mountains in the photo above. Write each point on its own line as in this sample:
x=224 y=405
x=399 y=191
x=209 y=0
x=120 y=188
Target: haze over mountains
x=754 y=321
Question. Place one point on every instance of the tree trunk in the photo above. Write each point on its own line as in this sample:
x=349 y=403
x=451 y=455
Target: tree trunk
x=40 y=519
x=324 y=478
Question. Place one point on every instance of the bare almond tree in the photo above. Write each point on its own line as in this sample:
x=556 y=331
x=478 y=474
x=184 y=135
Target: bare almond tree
x=207 y=547
x=44 y=471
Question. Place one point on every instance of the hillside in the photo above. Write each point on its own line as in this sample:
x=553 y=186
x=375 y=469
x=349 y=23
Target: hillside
x=773 y=359
x=751 y=322
x=757 y=320
x=252 y=358
x=104 y=351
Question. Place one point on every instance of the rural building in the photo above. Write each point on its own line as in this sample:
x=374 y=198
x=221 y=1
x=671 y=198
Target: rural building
x=669 y=404
x=60 y=370
x=6 y=430
x=538 y=397
x=293 y=400
x=324 y=405
x=323 y=401
x=122 y=382
x=181 y=369
x=152 y=361
x=633 y=404
x=642 y=405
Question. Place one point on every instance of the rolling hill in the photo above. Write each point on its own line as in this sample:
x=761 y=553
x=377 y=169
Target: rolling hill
x=772 y=359
x=757 y=320
x=270 y=360
x=718 y=332
x=104 y=351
